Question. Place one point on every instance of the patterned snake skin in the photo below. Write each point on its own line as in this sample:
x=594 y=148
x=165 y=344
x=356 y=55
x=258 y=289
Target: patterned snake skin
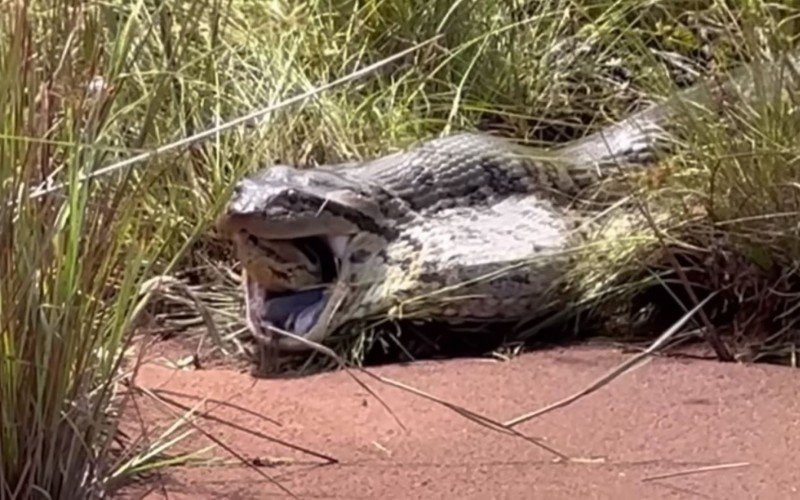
x=461 y=228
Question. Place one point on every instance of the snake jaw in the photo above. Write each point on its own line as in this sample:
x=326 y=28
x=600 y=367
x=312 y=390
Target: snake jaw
x=294 y=232
x=298 y=313
x=273 y=307
x=312 y=313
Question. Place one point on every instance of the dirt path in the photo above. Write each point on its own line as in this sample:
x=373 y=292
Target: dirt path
x=667 y=416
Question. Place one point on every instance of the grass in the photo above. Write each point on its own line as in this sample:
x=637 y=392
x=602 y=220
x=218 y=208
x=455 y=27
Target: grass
x=88 y=84
x=728 y=208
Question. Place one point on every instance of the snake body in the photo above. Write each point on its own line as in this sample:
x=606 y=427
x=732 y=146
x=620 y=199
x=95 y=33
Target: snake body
x=458 y=228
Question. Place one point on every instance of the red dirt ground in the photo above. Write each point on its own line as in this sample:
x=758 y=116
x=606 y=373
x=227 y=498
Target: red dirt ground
x=668 y=416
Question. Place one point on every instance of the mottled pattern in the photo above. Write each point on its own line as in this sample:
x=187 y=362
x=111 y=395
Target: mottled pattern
x=461 y=227
x=459 y=275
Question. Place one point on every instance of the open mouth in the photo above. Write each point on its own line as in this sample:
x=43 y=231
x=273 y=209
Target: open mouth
x=276 y=307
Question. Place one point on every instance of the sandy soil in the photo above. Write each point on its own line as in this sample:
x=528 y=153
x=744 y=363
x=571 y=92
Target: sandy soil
x=668 y=416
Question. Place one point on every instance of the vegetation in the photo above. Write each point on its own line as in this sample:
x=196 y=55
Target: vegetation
x=88 y=84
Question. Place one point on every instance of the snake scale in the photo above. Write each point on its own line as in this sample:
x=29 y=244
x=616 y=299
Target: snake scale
x=467 y=227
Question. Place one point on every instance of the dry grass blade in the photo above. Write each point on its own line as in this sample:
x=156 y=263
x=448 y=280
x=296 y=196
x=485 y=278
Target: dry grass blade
x=255 y=433
x=44 y=189
x=697 y=470
x=469 y=414
x=219 y=402
x=614 y=373
x=217 y=441
x=328 y=352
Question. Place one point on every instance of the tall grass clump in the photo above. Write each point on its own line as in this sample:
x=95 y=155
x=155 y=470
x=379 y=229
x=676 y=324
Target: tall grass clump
x=741 y=235
x=71 y=259
x=726 y=206
x=82 y=85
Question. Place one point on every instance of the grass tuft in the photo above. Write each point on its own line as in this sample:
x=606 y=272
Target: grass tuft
x=77 y=91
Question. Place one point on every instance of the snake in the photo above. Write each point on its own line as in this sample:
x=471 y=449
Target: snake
x=466 y=227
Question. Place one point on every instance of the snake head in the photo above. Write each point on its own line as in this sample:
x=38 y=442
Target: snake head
x=295 y=230
x=283 y=202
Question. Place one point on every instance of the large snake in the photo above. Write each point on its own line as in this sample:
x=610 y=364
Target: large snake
x=467 y=227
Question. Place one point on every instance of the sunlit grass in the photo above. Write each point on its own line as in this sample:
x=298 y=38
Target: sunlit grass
x=72 y=260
